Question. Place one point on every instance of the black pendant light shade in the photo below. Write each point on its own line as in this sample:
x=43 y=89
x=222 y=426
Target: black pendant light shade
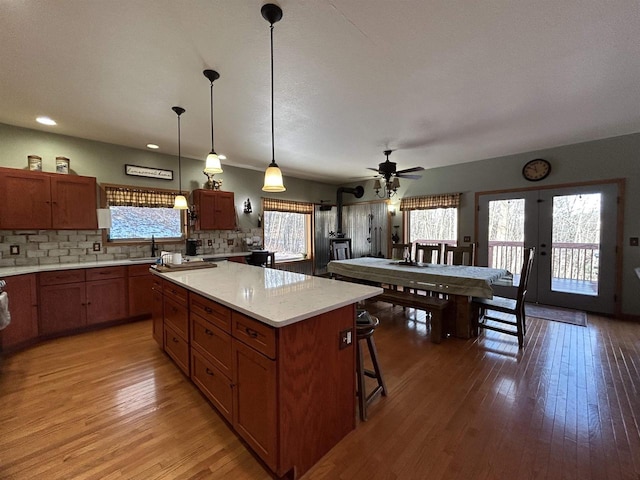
x=272 y=176
x=212 y=165
x=180 y=202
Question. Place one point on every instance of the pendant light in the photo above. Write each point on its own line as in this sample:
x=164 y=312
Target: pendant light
x=212 y=165
x=180 y=203
x=272 y=176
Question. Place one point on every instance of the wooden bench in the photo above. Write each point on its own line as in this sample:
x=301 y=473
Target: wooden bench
x=435 y=305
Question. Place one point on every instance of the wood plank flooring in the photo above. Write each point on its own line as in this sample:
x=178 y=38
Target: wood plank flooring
x=109 y=404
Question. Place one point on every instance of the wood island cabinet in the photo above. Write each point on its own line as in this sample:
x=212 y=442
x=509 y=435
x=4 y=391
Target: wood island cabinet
x=215 y=210
x=39 y=200
x=23 y=304
x=289 y=392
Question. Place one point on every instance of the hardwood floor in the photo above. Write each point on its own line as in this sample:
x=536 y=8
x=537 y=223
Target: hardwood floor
x=110 y=404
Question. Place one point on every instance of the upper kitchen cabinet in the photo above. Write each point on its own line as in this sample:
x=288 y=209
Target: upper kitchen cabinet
x=37 y=200
x=215 y=210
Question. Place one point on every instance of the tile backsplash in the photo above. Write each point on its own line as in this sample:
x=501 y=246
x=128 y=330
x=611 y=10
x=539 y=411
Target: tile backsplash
x=41 y=247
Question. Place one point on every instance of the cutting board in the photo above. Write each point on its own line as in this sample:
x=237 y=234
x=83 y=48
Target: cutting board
x=175 y=267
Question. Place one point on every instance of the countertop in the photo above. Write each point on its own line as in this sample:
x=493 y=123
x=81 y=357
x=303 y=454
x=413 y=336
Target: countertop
x=275 y=297
x=21 y=270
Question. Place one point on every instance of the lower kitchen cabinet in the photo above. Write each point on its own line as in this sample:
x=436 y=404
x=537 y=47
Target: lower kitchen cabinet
x=157 y=312
x=23 y=303
x=140 y=282
x=63 y=306
x=72 y=299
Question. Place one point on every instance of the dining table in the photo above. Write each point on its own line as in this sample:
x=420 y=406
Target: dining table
x=457 y=283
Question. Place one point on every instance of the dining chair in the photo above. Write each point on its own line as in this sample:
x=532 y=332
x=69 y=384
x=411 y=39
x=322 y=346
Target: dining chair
x=262 y=259
x=513 y=308
x=461 y=255
x=397 y=250
x=340 y=248
x=429 y=253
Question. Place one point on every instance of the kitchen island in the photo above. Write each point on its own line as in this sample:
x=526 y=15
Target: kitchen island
x=273 y=351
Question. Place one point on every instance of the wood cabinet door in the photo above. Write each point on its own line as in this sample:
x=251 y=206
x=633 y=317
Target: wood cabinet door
x=106 y=300
x=73 y=201
x=23 y=305
x=216 y=210
x=140 y=298
x=225 y=211
x=25 y=200
x=254 y=401
x=62 y=308
x=157 y=317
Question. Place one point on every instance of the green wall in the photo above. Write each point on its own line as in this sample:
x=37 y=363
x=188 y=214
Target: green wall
x=617 y=157
x=106 y=162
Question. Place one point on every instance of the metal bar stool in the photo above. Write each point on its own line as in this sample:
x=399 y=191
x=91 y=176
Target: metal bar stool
x=365 y=326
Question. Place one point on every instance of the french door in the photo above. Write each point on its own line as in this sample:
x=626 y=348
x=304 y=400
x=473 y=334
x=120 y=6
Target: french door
x=574 y=232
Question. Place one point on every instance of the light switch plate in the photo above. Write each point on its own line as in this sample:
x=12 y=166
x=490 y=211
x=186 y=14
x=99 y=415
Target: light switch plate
x=229 y=242
x=346 y=338
x=209 y=243
x=466 y=239
x=96 y=246
x=14 y=250
x=633 y=241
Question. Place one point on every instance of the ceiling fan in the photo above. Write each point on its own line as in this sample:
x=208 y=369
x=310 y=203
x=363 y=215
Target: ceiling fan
x=388 y=169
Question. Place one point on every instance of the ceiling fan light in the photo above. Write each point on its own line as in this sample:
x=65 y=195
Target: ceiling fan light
x=180 y=203
x=377 y=185
x=273 y=179
x=212 y=164
x=395 y=184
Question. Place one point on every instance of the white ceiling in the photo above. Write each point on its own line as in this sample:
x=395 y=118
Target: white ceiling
x=441 y=81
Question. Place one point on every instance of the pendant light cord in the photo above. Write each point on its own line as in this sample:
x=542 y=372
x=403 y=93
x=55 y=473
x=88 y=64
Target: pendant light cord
x=179 y=159
x=273 y=148
x=212 y=149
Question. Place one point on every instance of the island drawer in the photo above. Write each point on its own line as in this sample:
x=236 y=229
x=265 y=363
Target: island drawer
x=212 y=342
x=212 y=311
x=216 y=386
x=177 y=316
x=177 y=293
x=254 y=333
x=61 y=276
x=177 y=348
x=105 y=273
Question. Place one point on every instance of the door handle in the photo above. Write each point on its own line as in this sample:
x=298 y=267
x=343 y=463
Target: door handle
x=543 y=254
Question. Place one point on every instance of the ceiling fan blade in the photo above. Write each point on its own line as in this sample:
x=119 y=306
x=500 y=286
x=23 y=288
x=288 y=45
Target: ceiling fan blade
x=413 y=177
x=374 y=169
x=414 y=169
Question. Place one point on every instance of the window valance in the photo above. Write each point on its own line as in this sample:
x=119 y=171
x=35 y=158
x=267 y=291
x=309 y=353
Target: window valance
x=449 y=200
x=121 y=196
x=277 y=205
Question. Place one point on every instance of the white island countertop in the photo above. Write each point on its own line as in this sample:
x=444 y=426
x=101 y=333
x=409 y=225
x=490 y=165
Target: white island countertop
x=275 y=297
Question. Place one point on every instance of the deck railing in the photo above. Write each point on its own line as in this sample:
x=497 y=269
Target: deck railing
x=572 y=261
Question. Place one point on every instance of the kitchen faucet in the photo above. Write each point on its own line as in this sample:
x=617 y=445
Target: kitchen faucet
x=154 y=248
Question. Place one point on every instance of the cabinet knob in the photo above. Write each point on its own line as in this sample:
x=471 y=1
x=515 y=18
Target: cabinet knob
x=175 y=340
x=208 y=332
x=208 y=309
x=209 y=372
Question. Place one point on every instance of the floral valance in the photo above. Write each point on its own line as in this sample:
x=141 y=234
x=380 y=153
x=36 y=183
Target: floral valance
x=449 y=200
x=277 y=205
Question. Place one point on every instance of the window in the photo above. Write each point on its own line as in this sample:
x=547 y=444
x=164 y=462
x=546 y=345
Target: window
x=287 y=228
x=138 y=214
x=432 y=219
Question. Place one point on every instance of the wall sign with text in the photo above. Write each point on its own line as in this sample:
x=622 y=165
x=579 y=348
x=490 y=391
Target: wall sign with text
x=139 y=171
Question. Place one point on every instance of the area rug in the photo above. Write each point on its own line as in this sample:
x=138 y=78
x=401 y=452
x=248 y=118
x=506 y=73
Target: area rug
x=574 y=317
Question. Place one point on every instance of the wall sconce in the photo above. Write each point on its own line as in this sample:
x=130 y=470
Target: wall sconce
x=247 y=206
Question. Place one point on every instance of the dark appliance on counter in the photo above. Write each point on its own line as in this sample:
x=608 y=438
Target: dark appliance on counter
x=192 y=247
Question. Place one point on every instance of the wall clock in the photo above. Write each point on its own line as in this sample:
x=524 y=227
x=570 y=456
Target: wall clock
x=537 y=169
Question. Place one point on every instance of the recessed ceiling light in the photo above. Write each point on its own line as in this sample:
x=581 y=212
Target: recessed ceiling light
x=222 y=157
x=45 y=121
x=152 y=146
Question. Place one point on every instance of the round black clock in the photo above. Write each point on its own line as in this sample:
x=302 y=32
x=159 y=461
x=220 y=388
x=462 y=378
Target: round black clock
x=537 y=169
